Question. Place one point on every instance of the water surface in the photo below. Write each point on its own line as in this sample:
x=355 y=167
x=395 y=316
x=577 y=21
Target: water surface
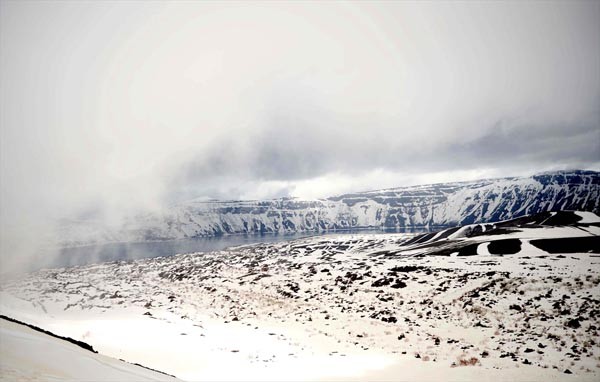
x=129 y=251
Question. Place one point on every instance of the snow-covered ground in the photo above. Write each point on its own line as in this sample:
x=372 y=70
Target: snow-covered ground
x=29 y=355
x=485 y=302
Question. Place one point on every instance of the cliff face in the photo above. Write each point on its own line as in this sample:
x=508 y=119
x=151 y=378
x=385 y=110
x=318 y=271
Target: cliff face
x=445 y=204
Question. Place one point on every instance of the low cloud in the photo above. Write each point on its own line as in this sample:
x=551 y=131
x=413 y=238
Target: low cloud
x=111 y=109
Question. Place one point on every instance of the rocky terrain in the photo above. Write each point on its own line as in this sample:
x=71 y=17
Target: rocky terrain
x=517 y=299
x=437 y=205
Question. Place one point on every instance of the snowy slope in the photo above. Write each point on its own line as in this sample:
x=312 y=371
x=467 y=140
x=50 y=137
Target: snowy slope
x=516 y=300
x=447 y=204
x=29 y=355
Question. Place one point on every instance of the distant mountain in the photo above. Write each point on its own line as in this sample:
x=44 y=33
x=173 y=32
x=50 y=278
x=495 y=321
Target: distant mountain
x=444 y=204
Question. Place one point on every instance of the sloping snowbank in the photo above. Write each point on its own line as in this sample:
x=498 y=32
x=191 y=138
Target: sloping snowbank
x=29 y=355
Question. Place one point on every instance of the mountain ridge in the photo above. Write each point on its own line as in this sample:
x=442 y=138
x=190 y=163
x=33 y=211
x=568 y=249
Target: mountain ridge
x=439 y=204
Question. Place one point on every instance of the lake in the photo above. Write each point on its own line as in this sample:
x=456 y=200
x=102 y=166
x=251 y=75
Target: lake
x=129 y=251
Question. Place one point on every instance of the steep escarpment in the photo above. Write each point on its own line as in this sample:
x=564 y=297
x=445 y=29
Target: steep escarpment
x=445 y=204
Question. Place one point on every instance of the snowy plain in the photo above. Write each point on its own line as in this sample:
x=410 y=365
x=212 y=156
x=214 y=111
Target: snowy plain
x=483 y=302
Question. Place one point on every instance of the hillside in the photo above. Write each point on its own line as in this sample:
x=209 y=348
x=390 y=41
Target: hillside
x=28 y=353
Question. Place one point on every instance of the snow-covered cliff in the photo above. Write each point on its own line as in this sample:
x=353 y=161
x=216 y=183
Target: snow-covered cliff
x=445 y=204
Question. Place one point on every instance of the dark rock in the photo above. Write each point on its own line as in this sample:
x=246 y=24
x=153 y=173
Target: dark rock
x=573 y=323
x=382 y=282
x=406 y=268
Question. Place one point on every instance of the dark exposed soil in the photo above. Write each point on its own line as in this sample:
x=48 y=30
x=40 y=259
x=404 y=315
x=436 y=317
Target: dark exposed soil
x=505 y=247
x=569 y=244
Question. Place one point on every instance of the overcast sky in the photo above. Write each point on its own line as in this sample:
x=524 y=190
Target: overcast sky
x=116 y=106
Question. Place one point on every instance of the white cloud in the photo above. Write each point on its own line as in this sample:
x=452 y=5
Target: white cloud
x=118 y=106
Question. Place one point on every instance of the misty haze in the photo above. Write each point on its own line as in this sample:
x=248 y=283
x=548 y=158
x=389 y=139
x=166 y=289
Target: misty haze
x=299 y=191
